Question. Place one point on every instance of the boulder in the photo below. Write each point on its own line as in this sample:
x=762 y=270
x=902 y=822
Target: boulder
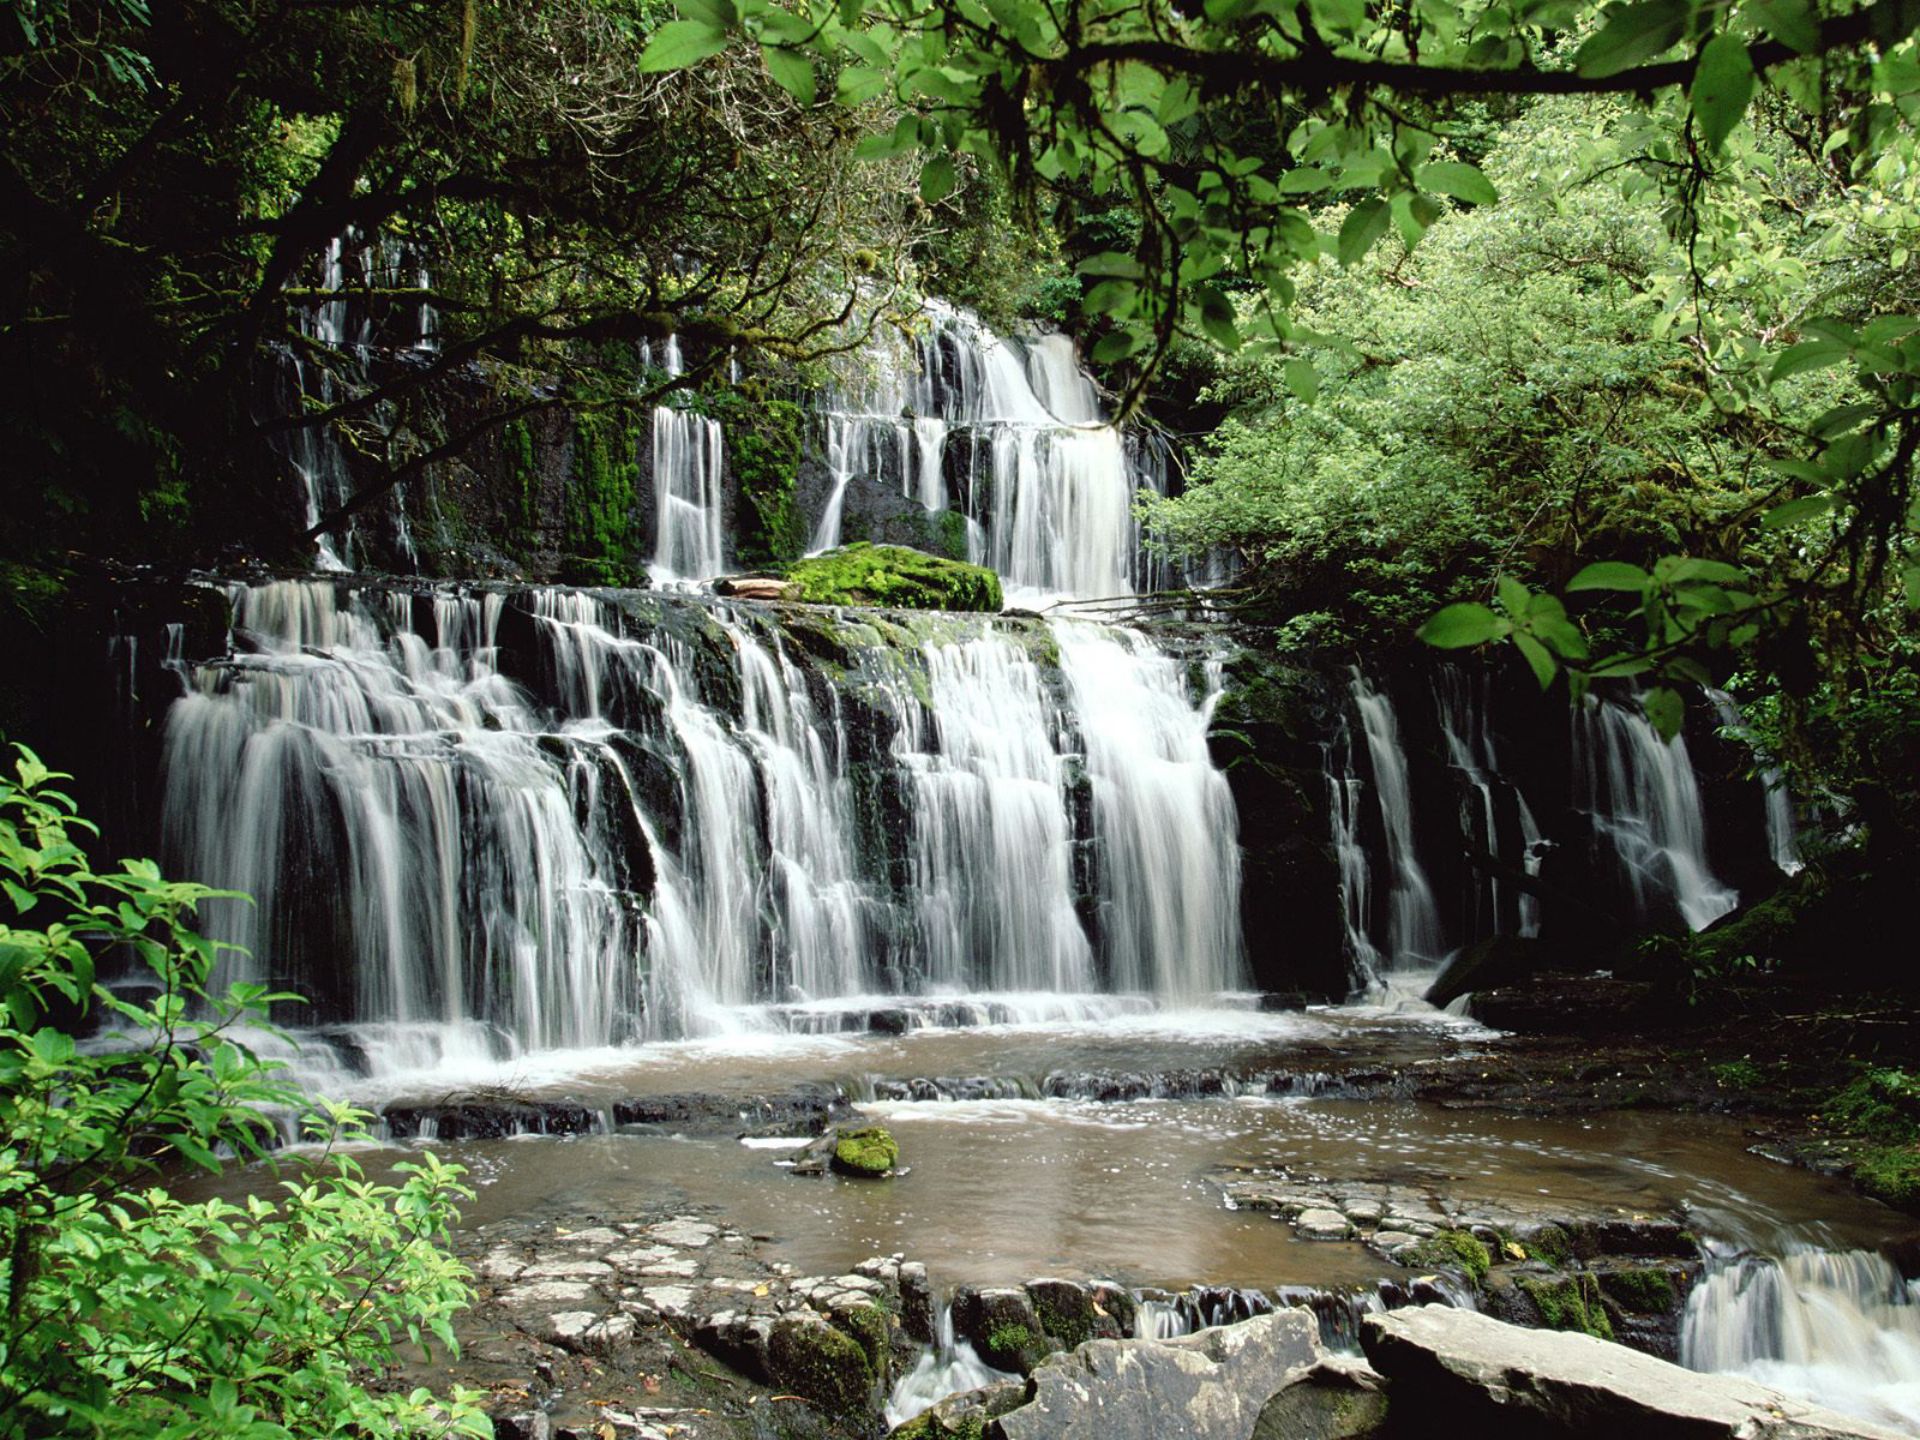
x=1001 y=1323
x=824 y=1366
x=1497 y=960
x=1209 y=1386
x=1483 y=1374
x=867 y=1153
x=1340 y=1399
x=893 y=576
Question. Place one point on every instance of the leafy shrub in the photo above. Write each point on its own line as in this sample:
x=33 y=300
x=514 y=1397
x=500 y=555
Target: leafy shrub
x=128 y=1312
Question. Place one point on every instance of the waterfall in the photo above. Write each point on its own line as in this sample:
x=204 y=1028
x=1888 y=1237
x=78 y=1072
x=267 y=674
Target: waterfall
x=1414 y=936
x=1345 y=793
x=477 y=824
x=1838 y=1328
x=1783 y=838
x=1048 y=485
x=689 y=463
x=1164 y=822
x=1644 y=802
x=950 y=1367
x=1463 y=705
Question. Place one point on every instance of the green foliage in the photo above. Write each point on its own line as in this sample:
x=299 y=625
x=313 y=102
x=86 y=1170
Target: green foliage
x=1643 y=1291
x=894 y=576
x=1741 y=1074
x=129 y=1312
x=601 y=540
x=765 y=444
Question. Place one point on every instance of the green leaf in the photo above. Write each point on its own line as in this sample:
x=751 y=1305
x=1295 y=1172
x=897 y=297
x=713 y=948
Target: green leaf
x=1674 y=571
x=720 y=14
x=791 y=71
x=1461 y=181
x=1842 y=418
x=1635 y=34
x=1809 y=355
x=1458 y=626
x=1514 y=597
x=680 y=43
x=1791 y=22
x=1364 y=224
x=898 y=141
x=937 y=178
x=1722 y=86
x=1116 y=346
x=857 y=85
x=1794 y=511
x=1545 y=667
x=1610 y=575
x=1664 y=709
x=1303 y=379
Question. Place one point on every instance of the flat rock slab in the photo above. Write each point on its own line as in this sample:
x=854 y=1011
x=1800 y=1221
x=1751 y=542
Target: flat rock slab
x=1483 y=1372
x=1209 y=1386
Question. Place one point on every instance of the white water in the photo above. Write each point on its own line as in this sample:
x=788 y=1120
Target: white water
x=1644 y=801
x=1464 y=703
x=1783 y=839
x=1414 y=935
x=1050 y=486
x=1838 y=1328
x=656 y=829
x=949 y=1367
x=689 y=464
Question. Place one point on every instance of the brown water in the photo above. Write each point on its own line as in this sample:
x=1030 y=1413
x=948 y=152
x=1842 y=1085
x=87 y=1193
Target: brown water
x=1001 y=1190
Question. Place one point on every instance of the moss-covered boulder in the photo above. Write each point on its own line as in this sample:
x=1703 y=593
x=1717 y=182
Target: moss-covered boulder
x=823 y=1365
x=866 y=1153
x=893 y=575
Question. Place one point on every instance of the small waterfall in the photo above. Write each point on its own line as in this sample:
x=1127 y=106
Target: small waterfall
x=1644 y=802
x=1783 y=837
x=1463 y=704
x=1345 y=793
x=1841 y=1329
x=950 y=1367
x=1164 y=823
x=689 y=463
x=660 y=817
x=1049 y=487
x=1414 y=935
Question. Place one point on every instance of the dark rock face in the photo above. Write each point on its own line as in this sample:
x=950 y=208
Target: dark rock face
x=1479 y=1372
x=1001 y=1323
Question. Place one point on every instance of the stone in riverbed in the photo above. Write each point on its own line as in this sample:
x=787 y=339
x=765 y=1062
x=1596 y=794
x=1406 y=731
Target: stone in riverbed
x=1000 y=1322
x=1340 y=1399
x=916 y=1302
x=1209 y=1386
x=867 y=1153
x=546 y=1292
x=1321 y=1225
x=1482 y=1373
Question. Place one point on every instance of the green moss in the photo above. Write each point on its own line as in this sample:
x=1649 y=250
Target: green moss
x=1889 y=1173
x=1740 y=1074
x=868 y=1152
x=926 y=1427
x=893 y=575
x=1569 y=1304
x=1551 y=1244
x=601 y=538
x=1069 y=1329
x=1454 y=1250
x=871 y=1329
x=516 y=454
x=1645 y=1292
x=765 y=442
x=823 y=1365
x=1012 y=1347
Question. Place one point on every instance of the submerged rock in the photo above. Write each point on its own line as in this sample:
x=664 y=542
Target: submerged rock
x=1480 y=1372
x=893 y=576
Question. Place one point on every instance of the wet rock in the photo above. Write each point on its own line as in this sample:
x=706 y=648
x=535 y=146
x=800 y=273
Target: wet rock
x=1209 y=1386
x=568 y=1270
x=1497 y=960
x=585 y=1331
x=1116 y=1303
x=1067 y=1314
x=1388 y=1241
x=1000 y=1322
x=810 y=1358
x=740 y=1341
x=685 y=1232
x=1339 y=1399
x=1479 y=1372
x=753 y=587
x=964 y=1416
x=490 y=1120
x=1321 y=1225
x=546 y=1293
x=916 y=1302
x=522 y=1425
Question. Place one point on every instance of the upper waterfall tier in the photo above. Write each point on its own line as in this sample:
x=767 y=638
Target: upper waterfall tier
x=496 y=822
x=1010 y=435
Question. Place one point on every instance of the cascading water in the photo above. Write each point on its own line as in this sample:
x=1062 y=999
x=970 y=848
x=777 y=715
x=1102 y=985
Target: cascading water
x=1049 y=487
x=1839 y=1328
x=1414 y=934
x=619 y=824
x=1463 y=705
x=1644 y=802
x=1346 y=792
x=1783 y=838
x=949 y=1367
x=689 y=463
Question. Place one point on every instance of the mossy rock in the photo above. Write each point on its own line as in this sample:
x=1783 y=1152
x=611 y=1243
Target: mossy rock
x=1643 y=1291
x=1454 y=1250
x=867 y=1153
x=895 y=576
x=1569 y=1303
x=824 y=1366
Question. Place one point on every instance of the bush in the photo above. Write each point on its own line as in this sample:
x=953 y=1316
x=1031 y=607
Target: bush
x=130 y=1312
